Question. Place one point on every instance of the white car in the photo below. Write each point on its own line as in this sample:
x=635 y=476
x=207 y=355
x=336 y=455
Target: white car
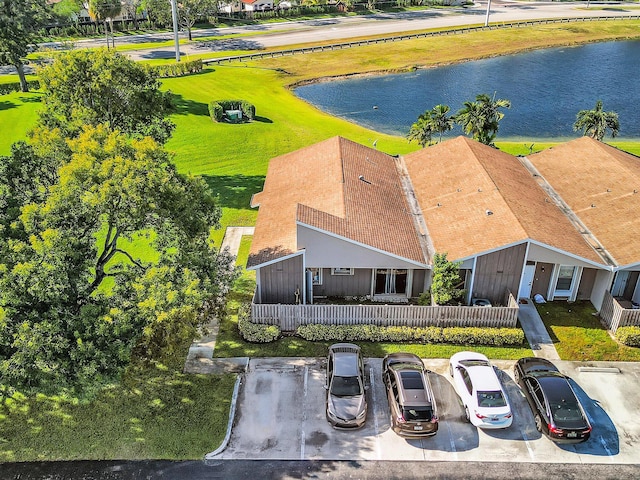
x=476 y=383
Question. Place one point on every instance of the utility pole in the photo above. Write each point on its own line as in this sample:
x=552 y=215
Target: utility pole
x=486 y=20
x=174 y=15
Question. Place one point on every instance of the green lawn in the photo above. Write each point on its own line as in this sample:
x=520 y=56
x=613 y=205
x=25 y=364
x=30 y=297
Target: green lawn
x=154 y=413
x=578 y=334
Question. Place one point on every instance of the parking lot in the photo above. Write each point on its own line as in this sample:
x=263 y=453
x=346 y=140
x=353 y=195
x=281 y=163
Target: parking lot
x=280 y=415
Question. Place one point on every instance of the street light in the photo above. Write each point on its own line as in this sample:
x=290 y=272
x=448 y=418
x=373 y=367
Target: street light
x=174 y=15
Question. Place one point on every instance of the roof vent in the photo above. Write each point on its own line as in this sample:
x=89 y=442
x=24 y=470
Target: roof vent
x=361 y=177
x=488 y=212
x=593 y=205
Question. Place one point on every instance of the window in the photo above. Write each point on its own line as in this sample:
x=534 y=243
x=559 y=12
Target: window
x=390 y=281
x=342 y=271
x=565 y=278
x=316 y=276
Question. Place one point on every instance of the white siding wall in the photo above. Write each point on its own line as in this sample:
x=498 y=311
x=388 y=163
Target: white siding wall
x=324 y=250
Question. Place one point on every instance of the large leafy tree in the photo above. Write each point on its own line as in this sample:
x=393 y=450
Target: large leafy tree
x=481 y=118
x=190 y=11
x=103 y=87
x=105 y=247
x=20 y=24
x=595 y=123
x=158 y=11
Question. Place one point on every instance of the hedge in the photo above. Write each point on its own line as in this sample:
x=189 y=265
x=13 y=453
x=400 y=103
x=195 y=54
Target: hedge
x=629 y=336
x=217 y=109
x=374 y=333
x=255 y=332
x=178 y=69
x=7 y=88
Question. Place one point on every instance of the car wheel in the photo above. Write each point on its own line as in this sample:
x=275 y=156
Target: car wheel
x=516 y=374
x=538 y=423
x=466 y=414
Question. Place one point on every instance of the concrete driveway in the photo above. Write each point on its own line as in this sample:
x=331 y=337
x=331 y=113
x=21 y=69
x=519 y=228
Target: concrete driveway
x=280 y=415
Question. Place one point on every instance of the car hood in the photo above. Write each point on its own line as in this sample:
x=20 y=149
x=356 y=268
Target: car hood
x=347 y=407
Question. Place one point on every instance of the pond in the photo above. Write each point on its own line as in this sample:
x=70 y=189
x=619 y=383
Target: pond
x=546 y=88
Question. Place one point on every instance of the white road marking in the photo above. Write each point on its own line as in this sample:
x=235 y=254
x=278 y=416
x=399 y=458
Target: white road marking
x=372 y=385
x=528 y=445
x=451 y=442
x=304 y=411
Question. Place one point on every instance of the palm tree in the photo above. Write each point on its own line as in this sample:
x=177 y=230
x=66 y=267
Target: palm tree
x=482 y=117
x=595 y=123
x=440 y=120
x=421 y=130
x=105 y=10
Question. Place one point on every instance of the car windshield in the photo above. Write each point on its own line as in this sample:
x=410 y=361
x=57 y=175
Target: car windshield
x=491 y=399
x=415 y=414
x=345 y=386
x=566 y=411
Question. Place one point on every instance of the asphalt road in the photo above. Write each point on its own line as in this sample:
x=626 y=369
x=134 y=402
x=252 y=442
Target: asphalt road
x=342 y=28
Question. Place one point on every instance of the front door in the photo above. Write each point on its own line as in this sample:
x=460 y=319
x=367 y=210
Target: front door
x=527 y=281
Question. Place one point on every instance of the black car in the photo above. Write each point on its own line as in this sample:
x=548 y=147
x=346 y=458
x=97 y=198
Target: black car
x=411 y=401
x=555 y=406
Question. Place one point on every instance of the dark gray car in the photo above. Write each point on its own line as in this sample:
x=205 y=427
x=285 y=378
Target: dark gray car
x=411 y=401
x=346 y=405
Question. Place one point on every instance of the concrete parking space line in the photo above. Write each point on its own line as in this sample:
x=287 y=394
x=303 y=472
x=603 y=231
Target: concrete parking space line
x=376 y=425
x=527 y=444
x=305 y=385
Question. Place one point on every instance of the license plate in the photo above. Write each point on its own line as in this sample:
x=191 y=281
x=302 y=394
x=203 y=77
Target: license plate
x=495 y=419
x=418 y=427
x=572 y=434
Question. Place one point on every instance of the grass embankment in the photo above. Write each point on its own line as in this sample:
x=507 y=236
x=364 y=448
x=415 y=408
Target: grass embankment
x=153 y=413
x=578 y=334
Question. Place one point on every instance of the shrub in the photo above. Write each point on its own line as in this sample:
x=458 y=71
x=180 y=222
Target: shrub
x=217 y=114
x=629 y=336
x=7 y=88
x=374 y=333
x=255 y=332
x=178 y=69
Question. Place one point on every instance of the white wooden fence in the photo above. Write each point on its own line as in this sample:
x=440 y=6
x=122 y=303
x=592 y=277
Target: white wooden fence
x=615 y=316
x=289 y=317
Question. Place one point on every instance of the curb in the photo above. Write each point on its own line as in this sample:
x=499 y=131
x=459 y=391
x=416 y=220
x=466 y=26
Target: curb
x=232 y=414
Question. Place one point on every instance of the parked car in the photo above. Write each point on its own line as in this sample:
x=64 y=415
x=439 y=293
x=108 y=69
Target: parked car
x=555 y=406
x=411 y=400
x=346 y=405
x=486 y=404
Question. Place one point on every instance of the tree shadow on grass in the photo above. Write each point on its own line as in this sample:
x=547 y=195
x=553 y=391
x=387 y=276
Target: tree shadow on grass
x=5 y=105
x=262 y=119
x=190 y=107
x=234 y=191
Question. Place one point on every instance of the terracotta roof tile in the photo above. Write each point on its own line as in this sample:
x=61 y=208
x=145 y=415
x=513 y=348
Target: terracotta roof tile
x=338 y=186
x=475 y=198
x=585 y=172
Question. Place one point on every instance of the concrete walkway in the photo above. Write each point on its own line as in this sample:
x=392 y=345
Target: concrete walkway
x=535 y=331
x=200 y=356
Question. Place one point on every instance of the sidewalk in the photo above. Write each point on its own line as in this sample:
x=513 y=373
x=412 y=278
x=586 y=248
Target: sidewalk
x=200 y=356
x=535 y=331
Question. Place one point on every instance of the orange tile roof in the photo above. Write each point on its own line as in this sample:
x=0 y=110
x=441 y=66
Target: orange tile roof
x=475 y=199
x=321 y=186
x=598 y=182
